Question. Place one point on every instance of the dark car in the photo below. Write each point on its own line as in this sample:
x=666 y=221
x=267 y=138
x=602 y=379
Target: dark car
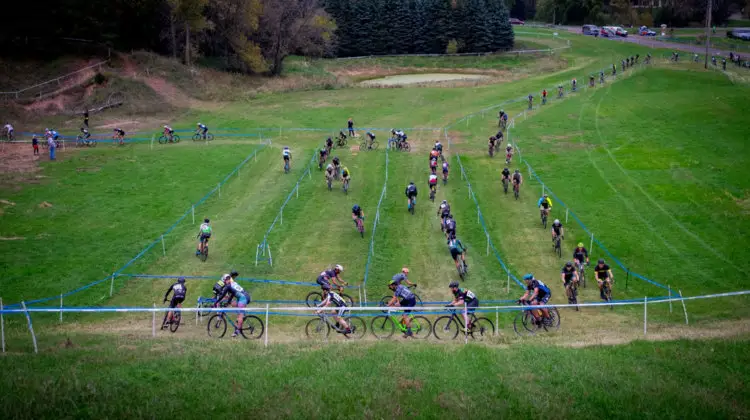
x=739 y=33
x=644 y=31
x=590 y=30
x=515 y=21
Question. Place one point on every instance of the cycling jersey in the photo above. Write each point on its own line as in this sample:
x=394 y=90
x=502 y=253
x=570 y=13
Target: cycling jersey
x=219 y=285
x=499 y=135
x=286 y=153
x=398 y=278
x=345 y=173
x=450 y=225
x=411 y=191
x=206 y=229
x=445 y=167
x=169 y=129
x=544 y=203
x=203 y=127
x=403 y=293
x=466 y=295
x=433 y=180
x=457 y=245
x=400 y=133
x=329 y=142
x=602 y=273
x=234 y=291
x=557 y=228
x=179 y=290
x=9 y=127
x=322 y=152
x=568 y=274
x=119 y=131
x=445 y=210
x=357 y=212
x=335 y=299
x=439 y=147
x=509 y=150
x=371 y=136
x=516 y=177
x=538 y=284
x=580 y=254
x=433 y=163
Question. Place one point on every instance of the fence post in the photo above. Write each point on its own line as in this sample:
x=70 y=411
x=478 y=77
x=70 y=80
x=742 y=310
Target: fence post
x=193 y=210
x=266 y=338
x=61 y=307
x=256 y=254
x=466 y=325
x=645 y=315
x=297 y=189
x=219 y=186
x=566 y=215
x=163 y=247
x=270 y=258
x=683 y=306
x=153 y=322
x=111 y=289
x=478 y=217
x=507 y=287
x=669 y=290
x=497 y=321
x=488 y=244
x=2 y=324
x=152 y=142
x=281 y=215
x=31 y=327
x=591 y=246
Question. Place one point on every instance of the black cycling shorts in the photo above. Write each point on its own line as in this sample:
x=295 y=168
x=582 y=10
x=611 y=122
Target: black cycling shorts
x=455 y=253
x=408 y=303
x=286 y=157
x=176 y=301
x=471 y=306
x=205 y=236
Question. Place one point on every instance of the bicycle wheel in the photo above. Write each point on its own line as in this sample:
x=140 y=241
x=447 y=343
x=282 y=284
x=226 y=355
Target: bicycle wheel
x=348 y=299
x=505 y=187
x=544 y=221
x=445 y=328
x=374 y=145
x=317 y=328
x=358 y=327
x=92 y=143
x=582 y=276
x=176 y=318
x=482 y=329
x=204 y=254
x=209 y=137
x=196 y=137
x=252 y=327
x=523 y=324
x=382 y=327
x=515 y=192
x=420 y=327
x=163 y=140
x=363 y=146
x=205 y=305
x=553 y=323
x=217 y=326
x=558 y=248
x=313 y=299
x=176 y=138
x=384 y=303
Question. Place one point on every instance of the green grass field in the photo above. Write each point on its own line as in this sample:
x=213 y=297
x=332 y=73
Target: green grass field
x=653 y=164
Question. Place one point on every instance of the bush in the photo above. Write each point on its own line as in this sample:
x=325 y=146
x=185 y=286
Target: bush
x=452 y=47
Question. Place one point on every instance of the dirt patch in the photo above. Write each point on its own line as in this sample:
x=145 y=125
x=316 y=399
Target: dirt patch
x=44 y=205
x=7 y=203
x=18 y=159
x=423 y=78
x=11 y=238
x=409 y=384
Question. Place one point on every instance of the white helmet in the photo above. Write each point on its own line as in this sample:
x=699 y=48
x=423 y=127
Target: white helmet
x=199 y=123
x=509 y=146
x=339 y=268
x=557 y=221
x=226 y=277
x=166 y=126
x=329 y=167
x=445 y=201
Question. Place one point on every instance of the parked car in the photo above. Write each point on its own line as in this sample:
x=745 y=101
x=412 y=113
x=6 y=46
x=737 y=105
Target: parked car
x=590 y=30
x=739 y=33
x=607 y=32
x=644 y=31
x=619 y=31
x=514 y=21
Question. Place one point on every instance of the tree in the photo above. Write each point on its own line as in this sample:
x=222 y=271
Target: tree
x=190 y=13
x=234 y=27
x=293 y=26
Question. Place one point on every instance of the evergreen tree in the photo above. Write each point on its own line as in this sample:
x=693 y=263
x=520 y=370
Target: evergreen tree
x=502 y=31
x=476 y=31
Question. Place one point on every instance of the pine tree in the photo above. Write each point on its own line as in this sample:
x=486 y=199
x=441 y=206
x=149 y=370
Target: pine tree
x=476 y=31
x=502 y=31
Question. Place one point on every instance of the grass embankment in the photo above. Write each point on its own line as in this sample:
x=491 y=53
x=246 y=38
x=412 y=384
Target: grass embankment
x=117 y=377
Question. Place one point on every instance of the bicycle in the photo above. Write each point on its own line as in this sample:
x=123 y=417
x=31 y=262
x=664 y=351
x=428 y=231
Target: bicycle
x=403 y=145
x=174 y=324
x=571 y=291
x=581 y=274
x=9 y=136
x=445 y=178
x=199 y=136
x=286 y=167
x=117 y=140
x=341 y=142
x=360 y=227
x=412 y=204
x=461 y=268
x=322 y=326
x=557 y=247
x=491 y=150
x=502 y=124
x=447 y=327
x=83 y=141
x=383 y=326
x=166 y=139
x=525 y=322
x=203 y=255
x=345 y=187
x=505 y=185
x=252 y=326
x=544 y=218
x=516 y=189
x=432 y=194
x=329 y=181
x=368 y=145
x=607 y=290
x=313 y=299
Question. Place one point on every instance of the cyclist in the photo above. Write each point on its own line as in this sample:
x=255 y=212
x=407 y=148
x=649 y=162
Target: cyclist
x=506 y=176
x=614 y=70
x=517 y=179
x=342 y=136
x=557 y=230
x=544 y=96
x=580 y=255
x=346 y=176
x=569 y=276
x=357 y=213
x=648 y=58
x=531 y=101
x=119 y=135
x=433 y=164
x=559 y=91
x=461 y=297
x=503 y=118
x=202 y=129
x=411 y=194
x=323 y=152
x=508 y=154
x=443 y=211
x=329 y=145
x=8 y=130
x=433 y=184
x=439 y=147
x=329 y=173
x=178 y=291
x=574 y=84
x=499 y=137
x=457 y=249
x=333 y=298
x=603 y=273
x=446 y=168
x=235 y=291
x=204 y=233
x=403 y=297
x=591 y=81
x=85 y=135
x=286 y=154
x=403 y=276
x=537 y=293
x=221 y=283
x=326 y=277
x=371 y=138
x=601 y=77
x=168 y=132
x=491 y=143
x=35 y=144
x=336 y=167
x=544 y=204
x=450 y=227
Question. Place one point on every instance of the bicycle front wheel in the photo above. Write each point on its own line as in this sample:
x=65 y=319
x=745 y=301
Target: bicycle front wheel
x=252 y=327
x=358 y=327
x=317 y=328
x=176 y=318
x=163 y=140
x=420 y=327
x=209 y=137
x=313 y=299
x=445 y=328
x=176 y=138
x=482 y=329
x=382 y=327
x=217 y=326
x=196 y=137
x=553 y=323
x=374 y=145
x=348 y=299
x=523 y=324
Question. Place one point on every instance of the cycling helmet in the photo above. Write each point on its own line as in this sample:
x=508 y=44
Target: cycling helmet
x=453 y=284
x=234 y=274
x=198 y=124
x=329 y=167
x=206 y=220
x=328 y=139
x=601 y=261
x=502 y=112
x=405 y=270
x=580 y=244
x=411 y=182
x=445 y=201
x=509 y=146
x=335 y=158
x=518 y=171
x=226 y=277
x=568 y=264
x=339 y=268
x=544 y=195
x=181 y=280
x=557 y=221
x=356 y=208
x=164 y=126
x=286 y=147
x=528 y=276
x=391 y=283
x=492 y=138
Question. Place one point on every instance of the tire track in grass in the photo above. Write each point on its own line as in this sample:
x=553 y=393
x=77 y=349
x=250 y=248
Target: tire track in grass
x=690 y=233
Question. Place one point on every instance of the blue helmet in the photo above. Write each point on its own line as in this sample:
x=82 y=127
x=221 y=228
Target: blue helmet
x=355 y=208
x=528 y=276
x=181 y=280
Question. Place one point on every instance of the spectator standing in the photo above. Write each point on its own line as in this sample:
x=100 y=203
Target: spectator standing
x=52 y=147
x=350 y=125
x=86 y=118
x=35 y=145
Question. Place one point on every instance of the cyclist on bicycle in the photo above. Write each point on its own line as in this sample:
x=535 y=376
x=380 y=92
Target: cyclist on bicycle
x=234 y=291
x=603 y=273
x=461 y=297
x=342 y=136
x=322 y=159
x=85 y=135
x=601 y=77
x=119 y=134
x=401 y=277
x=433 y=184
x=457 y=249
x=168 y=132
x=329 y=173
x=357 y=214
x=580 y=255
x=204 y=233
x=178 y=291
x=202 y=129
x=499 y=137
x=537 y=293
x=531 y=101
x=559 y=91
x=333 y=298
x=443 y=211
x=286 y=154
x=569 y=276
x=574 y=84
x=503 y=117
x=450 y=227
x=544 y=204
x=491 y=143
x=506 y=175
x=544 y=96
x=446 y=168
x=371 y=138
x=411 y=194
x=336 y=166
x=517 y=179
x=508 y=153
x=8 y=130
x=346 y=176
x=439 y=147
x=557 y=230
x=403 y=297
x=329 y=145
x=433 y=164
